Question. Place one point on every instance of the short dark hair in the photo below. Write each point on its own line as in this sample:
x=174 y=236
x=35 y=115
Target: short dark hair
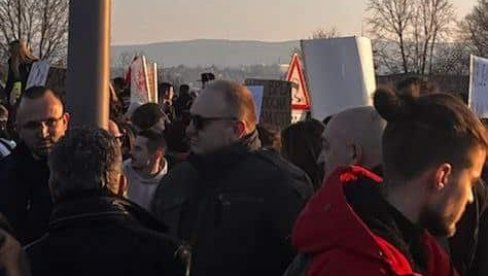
x=164 y=87
x=155 y=140
x=302 y=143
x=147 y=115
x=270 y=136
x=85 y=159
x=425 y=131
x=36 y=92
x=184 y=89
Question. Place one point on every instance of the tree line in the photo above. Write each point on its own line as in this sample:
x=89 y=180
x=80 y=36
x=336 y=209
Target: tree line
x=409 y=36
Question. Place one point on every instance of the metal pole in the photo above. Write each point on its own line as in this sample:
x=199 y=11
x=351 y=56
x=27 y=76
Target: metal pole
x=88 y=73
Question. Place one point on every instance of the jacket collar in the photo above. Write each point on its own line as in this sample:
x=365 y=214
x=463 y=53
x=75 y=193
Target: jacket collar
x=212 y=165
x=100 y=206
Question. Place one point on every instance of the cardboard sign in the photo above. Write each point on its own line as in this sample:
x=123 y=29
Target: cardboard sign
x=139 y=92
x=38 y=74
x=340 y=73
x=478 y=86
x=152 y=80
x=300 y=95
x=257 y=92
x=276 y=107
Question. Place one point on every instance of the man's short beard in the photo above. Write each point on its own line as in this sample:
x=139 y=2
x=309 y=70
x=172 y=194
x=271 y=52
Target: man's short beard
x=435 y=223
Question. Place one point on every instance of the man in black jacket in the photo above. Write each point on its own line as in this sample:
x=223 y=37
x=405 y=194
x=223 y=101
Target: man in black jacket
x=24 y=194
x=92 y=231
x=232 y=203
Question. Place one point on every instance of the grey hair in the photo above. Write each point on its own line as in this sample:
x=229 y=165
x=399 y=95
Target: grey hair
x=86 y=159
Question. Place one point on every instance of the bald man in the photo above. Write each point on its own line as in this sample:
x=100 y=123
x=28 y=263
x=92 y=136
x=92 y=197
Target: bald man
x=233 y=203
x=353 y=137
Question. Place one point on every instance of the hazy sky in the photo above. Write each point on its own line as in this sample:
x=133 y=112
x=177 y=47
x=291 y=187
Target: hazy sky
x=143 y=21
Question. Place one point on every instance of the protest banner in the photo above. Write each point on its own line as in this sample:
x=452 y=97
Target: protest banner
x=276 y=106
x=38 y=74
x=340 y=73
x=257 y=92
x=478 y=86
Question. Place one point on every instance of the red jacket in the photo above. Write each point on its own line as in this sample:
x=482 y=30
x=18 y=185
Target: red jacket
x=340 y=243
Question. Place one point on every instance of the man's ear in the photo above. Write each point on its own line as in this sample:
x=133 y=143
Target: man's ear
x=356 y=153
x=66 y=118
x=240 y=129
x=441 y=176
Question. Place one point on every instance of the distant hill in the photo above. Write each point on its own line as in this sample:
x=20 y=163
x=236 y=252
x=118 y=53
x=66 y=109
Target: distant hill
x=208 y=52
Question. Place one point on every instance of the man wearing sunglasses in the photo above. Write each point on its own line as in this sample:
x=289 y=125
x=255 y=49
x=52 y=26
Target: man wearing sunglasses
x=24 y=193
x=231 y=202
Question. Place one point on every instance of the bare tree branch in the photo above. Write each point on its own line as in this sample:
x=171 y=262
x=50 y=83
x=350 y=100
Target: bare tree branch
x=412 y=29
x=43 y=24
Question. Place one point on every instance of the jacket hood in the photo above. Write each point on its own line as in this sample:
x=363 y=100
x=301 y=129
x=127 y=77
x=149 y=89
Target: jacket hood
x=329 y=222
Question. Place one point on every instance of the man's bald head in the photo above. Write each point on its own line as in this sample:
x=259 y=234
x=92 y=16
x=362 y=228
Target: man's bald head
x=353 y=137
x=222 y=115
x=237 y=98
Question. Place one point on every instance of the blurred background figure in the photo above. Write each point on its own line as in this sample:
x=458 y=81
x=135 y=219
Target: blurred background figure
x=6 y=144
x=270 y=137
x=19 y=66
x=166 y=95
x=301 y=145
x=149 y=116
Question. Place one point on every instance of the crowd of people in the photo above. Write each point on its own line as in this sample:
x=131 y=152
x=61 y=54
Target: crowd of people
x=194 y=185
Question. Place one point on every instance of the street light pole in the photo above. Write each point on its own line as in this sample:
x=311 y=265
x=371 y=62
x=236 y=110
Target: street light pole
x=88 y=76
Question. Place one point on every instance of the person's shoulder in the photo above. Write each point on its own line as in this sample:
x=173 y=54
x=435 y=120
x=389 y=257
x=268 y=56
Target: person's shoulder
x=35 y=249
x=277 y=167
x=340 y=261
x=180 y=172
x=9 y=164
x=174 y=185
x=274 y=159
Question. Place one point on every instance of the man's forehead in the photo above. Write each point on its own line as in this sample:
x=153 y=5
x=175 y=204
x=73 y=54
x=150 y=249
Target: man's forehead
x=210 y=104
x=33 y=109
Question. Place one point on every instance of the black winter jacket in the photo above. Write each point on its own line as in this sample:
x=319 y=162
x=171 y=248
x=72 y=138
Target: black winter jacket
x=25 y=198
x=104 y=235
x=236 y=210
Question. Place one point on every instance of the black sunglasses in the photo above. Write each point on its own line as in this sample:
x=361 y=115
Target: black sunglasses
x=200 y=122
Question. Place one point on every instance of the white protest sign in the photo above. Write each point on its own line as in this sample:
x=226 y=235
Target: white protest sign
x=257 y=92
x=478 y=86
x=139 y=92
x=340 y=73
x=38 y=74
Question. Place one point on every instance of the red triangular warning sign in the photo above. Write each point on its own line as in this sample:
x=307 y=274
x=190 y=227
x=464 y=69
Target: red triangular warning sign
x=300 y=97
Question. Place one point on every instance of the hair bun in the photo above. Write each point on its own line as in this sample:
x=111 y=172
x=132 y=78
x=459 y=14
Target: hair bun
x=391 y=106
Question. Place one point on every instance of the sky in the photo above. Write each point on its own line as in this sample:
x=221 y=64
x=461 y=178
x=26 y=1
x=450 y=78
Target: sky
x=146 y=21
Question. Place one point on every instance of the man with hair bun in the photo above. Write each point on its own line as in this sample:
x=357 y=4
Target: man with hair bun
x=434 y=149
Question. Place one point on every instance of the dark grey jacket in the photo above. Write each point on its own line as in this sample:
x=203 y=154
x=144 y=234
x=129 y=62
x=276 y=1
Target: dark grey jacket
x=236 y=209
